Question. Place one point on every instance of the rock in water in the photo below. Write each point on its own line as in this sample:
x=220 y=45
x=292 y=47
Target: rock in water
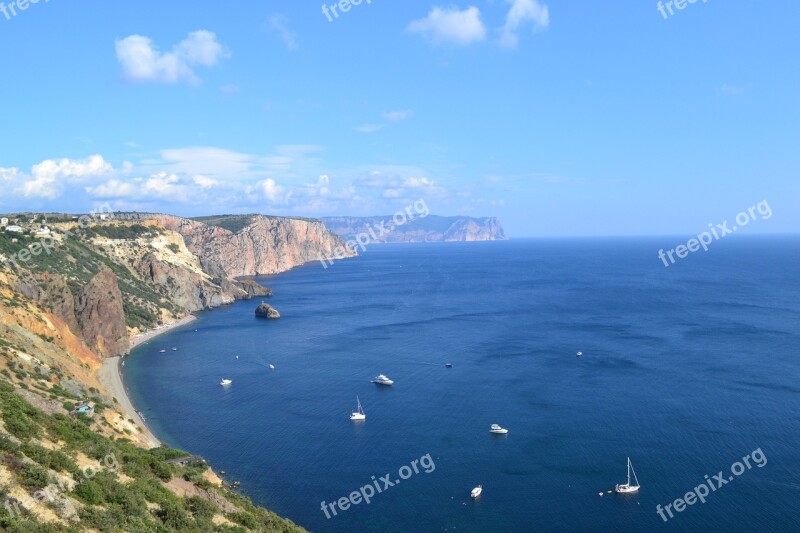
x=267 y=311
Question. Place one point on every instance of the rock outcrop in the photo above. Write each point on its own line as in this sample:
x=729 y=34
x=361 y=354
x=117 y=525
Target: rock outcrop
x=101 y=316
x=267 y=311
x=428 y=229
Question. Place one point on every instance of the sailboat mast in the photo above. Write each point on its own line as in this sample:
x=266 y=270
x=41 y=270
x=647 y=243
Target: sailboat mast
x=629 y=471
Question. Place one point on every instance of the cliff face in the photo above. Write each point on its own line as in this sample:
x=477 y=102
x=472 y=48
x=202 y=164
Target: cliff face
x=100 y=315
x=260 y=245
x=428 y=229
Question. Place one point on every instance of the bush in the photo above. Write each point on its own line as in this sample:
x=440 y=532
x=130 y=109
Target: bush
x=243 y=519
x=34 y=477
x=200 y=507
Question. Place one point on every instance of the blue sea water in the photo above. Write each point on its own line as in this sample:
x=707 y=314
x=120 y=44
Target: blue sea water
x=686 y=370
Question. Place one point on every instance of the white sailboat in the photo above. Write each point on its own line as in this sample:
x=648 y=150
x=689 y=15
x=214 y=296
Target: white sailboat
x=627 y=488
x=476 y=491
x=359 y=414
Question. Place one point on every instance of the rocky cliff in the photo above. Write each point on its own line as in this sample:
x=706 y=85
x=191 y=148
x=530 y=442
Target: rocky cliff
x=116 y=278
x=252 y=245
x=428 y=229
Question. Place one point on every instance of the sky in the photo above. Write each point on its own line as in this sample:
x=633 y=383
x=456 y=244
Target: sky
x=560 y=118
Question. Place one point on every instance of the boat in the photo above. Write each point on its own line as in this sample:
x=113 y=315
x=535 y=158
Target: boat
x=448 y=365
x=383 y=380
x=174 y=349
x=627 y=488
x=476 y=491
x=495 y=428
x=272 y=367
x=225 y=382
x=163 y=351
x=580 y=354
x=359 y=414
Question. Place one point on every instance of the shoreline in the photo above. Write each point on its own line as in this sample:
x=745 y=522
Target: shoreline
x=111 y=378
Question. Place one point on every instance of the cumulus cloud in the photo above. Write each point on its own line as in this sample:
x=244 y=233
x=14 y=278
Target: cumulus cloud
x=272 y=191
x=450 y=25
x=521 y=13
x=161 y=186
x=49 y=177
x=394 y=185
x=141 y=60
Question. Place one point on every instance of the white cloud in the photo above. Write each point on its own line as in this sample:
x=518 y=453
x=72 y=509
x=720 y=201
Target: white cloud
x=397 y=116
x=521 y=12
x=271 y=190
x=141 y=60
x=451 y=25
x=280 y=25
x=48 y=178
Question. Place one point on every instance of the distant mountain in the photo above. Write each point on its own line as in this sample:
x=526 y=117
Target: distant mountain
x=428 y=229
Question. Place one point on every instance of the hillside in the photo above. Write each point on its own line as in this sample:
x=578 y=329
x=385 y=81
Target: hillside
x=422 y=229
x=74 y=298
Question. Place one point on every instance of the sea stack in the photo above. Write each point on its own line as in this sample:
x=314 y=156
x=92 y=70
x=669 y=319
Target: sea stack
x=267 y=311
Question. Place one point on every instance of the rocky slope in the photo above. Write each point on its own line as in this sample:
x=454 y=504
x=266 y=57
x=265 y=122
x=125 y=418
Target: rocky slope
x=65 y=309
x=428 y=229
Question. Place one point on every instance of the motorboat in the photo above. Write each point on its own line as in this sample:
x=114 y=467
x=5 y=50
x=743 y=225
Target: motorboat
x=383 y=380
x=448 y=365
x=496 y=429
x=359 y=413
x=225 y=382
x=162 y=351
x=476 y=491
x=627 y=488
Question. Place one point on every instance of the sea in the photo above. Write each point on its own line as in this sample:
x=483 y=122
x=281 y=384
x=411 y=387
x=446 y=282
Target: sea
x=687 y=370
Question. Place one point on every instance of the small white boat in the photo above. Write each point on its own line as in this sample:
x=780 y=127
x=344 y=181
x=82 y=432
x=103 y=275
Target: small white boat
x=383 y=380
x=496 y=429
x=174 y=349
x=476 y=491
x=237 y=357
x=580 y=354
x=359 y=414
x=163 y=351
x=225 y=382
x=272 y=367
x=627 y=488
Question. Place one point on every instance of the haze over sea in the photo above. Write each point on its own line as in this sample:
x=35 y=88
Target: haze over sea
x=686 y=369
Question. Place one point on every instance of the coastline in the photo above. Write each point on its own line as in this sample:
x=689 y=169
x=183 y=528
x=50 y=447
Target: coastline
x=111 y=378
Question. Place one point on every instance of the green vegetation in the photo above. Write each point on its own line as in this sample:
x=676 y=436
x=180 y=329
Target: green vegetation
x=104 y=499
x=232 y=223
x=121 y=231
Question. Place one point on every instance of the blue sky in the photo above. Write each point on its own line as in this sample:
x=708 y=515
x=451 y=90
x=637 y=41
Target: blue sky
x=603 y=118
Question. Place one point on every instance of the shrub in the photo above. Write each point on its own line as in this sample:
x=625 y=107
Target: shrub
x=34 y=477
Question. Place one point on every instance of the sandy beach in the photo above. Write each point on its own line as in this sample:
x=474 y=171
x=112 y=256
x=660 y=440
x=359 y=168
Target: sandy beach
x=111 y=378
